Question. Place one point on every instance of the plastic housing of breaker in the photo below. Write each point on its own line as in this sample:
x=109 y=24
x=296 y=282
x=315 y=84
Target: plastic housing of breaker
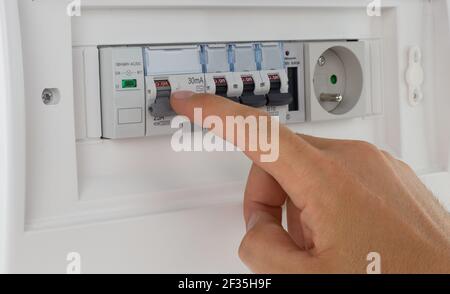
x=280 y=111
x=182 y=67
x=172 y=60
x=295 y=59
x=217 y=65
x=118 y=63
x=272 y=62
x=235 y=85
x=245 y=63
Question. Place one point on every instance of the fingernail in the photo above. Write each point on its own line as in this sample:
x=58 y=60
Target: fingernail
x=182 y=95
x=252 y=221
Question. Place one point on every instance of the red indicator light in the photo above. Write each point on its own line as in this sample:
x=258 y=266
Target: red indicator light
x=162 y=84
x=247 y=80
x=220 y=81
x=274 y=77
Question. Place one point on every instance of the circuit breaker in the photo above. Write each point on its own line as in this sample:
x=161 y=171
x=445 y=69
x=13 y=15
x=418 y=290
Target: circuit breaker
x=123 y=92
x=295 y=81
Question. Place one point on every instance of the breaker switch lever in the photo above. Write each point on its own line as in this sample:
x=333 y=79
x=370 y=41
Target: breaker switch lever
x=222 y=88
x=161 y=107
x=248 y=97
x=279 y=99
x=275 y=97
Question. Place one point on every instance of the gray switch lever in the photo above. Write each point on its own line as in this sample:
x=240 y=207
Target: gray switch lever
x=161 y=107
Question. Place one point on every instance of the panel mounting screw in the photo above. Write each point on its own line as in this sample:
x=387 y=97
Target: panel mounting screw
x=50 y=96
x=321 y=61
x=47 y=96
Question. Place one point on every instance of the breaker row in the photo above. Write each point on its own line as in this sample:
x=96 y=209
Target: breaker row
x=293 y=80
x=251 y=74
x=137 y=82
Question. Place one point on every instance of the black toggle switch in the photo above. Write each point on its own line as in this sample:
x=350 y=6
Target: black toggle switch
x=248 y=97
x=222 y=88
x=249 y=85
x=275 y=82
x=275 y=97
x=234 y=99
x=279 y=99
x=254 y=100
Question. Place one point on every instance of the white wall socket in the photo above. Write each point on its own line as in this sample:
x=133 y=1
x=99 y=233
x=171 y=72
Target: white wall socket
x=336 y=80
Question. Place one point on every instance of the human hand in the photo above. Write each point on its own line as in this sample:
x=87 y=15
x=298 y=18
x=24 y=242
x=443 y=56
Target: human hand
x=344 y=199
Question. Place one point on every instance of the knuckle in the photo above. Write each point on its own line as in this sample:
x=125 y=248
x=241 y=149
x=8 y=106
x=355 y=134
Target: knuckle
x=246 y=247
x=404 y=165
x=365 y=148
x=398 y=162
x=363 y=145
x=252 y=245
x=243 y=251
x=388 y=156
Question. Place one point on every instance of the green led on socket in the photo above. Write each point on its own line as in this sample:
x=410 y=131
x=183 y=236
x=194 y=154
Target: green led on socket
x=334 y=79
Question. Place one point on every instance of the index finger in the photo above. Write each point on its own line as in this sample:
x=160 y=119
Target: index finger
x=295 y=156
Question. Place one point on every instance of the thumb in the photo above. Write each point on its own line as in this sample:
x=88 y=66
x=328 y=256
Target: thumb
x=268 y=248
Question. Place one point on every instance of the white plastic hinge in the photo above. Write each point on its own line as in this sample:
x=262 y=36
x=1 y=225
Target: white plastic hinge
x=415 y=76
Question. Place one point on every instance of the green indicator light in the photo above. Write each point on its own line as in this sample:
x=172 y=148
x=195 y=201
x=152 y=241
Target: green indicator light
x=333 y=79
x=127 y=84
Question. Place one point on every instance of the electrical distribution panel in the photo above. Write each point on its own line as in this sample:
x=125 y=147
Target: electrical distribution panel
x=292 y=80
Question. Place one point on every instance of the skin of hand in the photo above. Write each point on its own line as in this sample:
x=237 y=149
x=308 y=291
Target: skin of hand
x=343 y=198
